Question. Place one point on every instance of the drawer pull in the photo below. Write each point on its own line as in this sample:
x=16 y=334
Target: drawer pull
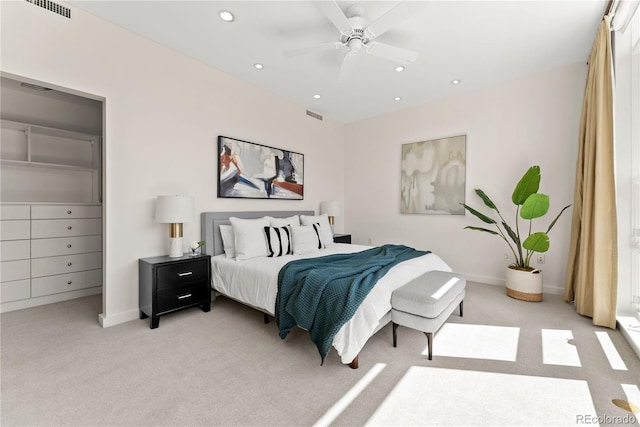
x=184 y=296
x=69 y=227
x=69 y=264
x=69 y=282
x=68 y=212
x=187 y=273
x=69 y=245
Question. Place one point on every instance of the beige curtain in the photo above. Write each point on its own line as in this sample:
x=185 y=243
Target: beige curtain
x=592 y=271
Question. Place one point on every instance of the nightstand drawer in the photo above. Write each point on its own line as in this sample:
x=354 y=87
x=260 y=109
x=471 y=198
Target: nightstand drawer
x=174 y=275
x=181 y=296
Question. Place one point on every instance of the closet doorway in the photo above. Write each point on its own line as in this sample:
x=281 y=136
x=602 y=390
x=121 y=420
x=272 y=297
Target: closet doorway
x=51 y=193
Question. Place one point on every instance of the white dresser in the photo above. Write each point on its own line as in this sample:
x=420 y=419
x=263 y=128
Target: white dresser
x=50 y=252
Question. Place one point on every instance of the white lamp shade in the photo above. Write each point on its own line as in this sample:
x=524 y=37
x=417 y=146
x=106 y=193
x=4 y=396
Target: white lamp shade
x=174 y=209
x=331 y=208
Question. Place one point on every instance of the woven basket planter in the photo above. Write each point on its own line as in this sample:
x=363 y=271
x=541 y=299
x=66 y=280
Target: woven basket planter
x=524 y=285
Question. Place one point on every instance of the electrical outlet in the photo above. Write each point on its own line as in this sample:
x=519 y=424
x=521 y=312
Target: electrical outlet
x=540 y=259
x=507 y=257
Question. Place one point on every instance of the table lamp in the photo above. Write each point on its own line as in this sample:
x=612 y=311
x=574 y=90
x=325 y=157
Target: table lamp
x=332 y=209
x=174 y=210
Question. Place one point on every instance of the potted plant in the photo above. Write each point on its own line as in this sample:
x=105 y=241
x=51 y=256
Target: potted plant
x=522 y=281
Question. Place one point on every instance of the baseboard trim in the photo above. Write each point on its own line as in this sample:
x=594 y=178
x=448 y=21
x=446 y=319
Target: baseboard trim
x=495 y=281
x=118 y=318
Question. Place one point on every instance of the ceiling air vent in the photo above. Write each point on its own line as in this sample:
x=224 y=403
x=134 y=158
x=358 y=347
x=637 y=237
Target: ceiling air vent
x=52 y=7
x=314 y=115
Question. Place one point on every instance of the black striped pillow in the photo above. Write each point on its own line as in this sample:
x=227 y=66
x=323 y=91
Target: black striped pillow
x=278 y=241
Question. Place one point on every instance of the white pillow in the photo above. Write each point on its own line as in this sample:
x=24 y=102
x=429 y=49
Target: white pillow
x=228 y=241
x=281 y=222
x=279 y=241
x=306 y=239
x=250 y=240
x=326 y=235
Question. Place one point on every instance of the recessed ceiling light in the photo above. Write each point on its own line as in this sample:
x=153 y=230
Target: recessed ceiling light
x=226 y=16
x=455 y=81
x=258 y=66
x=397 y=98
x=399 y=68
x=316 y=96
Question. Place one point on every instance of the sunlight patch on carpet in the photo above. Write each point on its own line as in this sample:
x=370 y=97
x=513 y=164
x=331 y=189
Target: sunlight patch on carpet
x=476 y=342
x=451 y=397
x=610 y=351
x=349 y=396
x=633 y=397
x=557 y=350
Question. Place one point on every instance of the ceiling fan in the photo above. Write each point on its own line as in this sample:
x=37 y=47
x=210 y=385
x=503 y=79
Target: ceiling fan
x=358 y=35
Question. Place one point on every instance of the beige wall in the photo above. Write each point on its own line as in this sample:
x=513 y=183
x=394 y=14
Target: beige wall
x=509 y=127
x=164 y=112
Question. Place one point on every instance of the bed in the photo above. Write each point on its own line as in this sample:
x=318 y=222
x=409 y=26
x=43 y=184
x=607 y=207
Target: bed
x=254 y=281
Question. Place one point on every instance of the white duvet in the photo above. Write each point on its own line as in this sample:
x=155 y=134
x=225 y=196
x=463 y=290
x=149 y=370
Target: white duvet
x=255 y=282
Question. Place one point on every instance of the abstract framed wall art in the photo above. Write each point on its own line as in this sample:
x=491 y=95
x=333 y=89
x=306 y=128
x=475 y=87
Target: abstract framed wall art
x=434 y=176
x=254 y=171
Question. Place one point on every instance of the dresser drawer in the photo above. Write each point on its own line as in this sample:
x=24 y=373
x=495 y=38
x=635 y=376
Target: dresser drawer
x=15 y=230
x=12 y=250
x=65 y=264
x=44 y=228
x=14 y=291
x=65 y=282
x=15 y=270
x=182 y=296
x=174 y=275
x=65 y=246
x=14 y=212
x=65 y=211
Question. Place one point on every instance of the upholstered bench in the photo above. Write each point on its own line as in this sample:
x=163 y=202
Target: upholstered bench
x=426 y=303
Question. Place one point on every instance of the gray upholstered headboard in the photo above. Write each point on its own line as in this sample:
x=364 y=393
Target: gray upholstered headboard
x=211 y=222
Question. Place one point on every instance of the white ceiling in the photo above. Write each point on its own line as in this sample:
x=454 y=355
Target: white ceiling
x=479 y=42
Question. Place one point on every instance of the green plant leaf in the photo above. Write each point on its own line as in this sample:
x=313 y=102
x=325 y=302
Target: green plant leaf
x=480 y=215
x=511 y=233
x=481 y=229
x=537 y=242
x=487 y=201
x=528 y=184
x=535 y=206
x=554 y=221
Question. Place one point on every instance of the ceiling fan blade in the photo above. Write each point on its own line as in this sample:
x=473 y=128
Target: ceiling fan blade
x=335 y=15
x=312 y=49
x=402 y=11
x=392 y=53
x=348 y=66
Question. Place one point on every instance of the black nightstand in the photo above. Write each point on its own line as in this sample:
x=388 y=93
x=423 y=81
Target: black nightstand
x=171 y=284
x=342 y=238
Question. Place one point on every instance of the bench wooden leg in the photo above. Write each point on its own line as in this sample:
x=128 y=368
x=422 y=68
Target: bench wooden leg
x=429 y=342
x=395 y=333
x=266 y=318
x=461 y=307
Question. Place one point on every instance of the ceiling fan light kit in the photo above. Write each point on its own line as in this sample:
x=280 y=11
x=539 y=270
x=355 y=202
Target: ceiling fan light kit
x=357 y=34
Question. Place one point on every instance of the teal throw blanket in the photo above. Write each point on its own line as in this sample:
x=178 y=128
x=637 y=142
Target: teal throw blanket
x=322 y=294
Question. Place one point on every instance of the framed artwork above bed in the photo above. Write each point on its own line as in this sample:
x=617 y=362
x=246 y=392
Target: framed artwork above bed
x=433 y=176
x=254 y=171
